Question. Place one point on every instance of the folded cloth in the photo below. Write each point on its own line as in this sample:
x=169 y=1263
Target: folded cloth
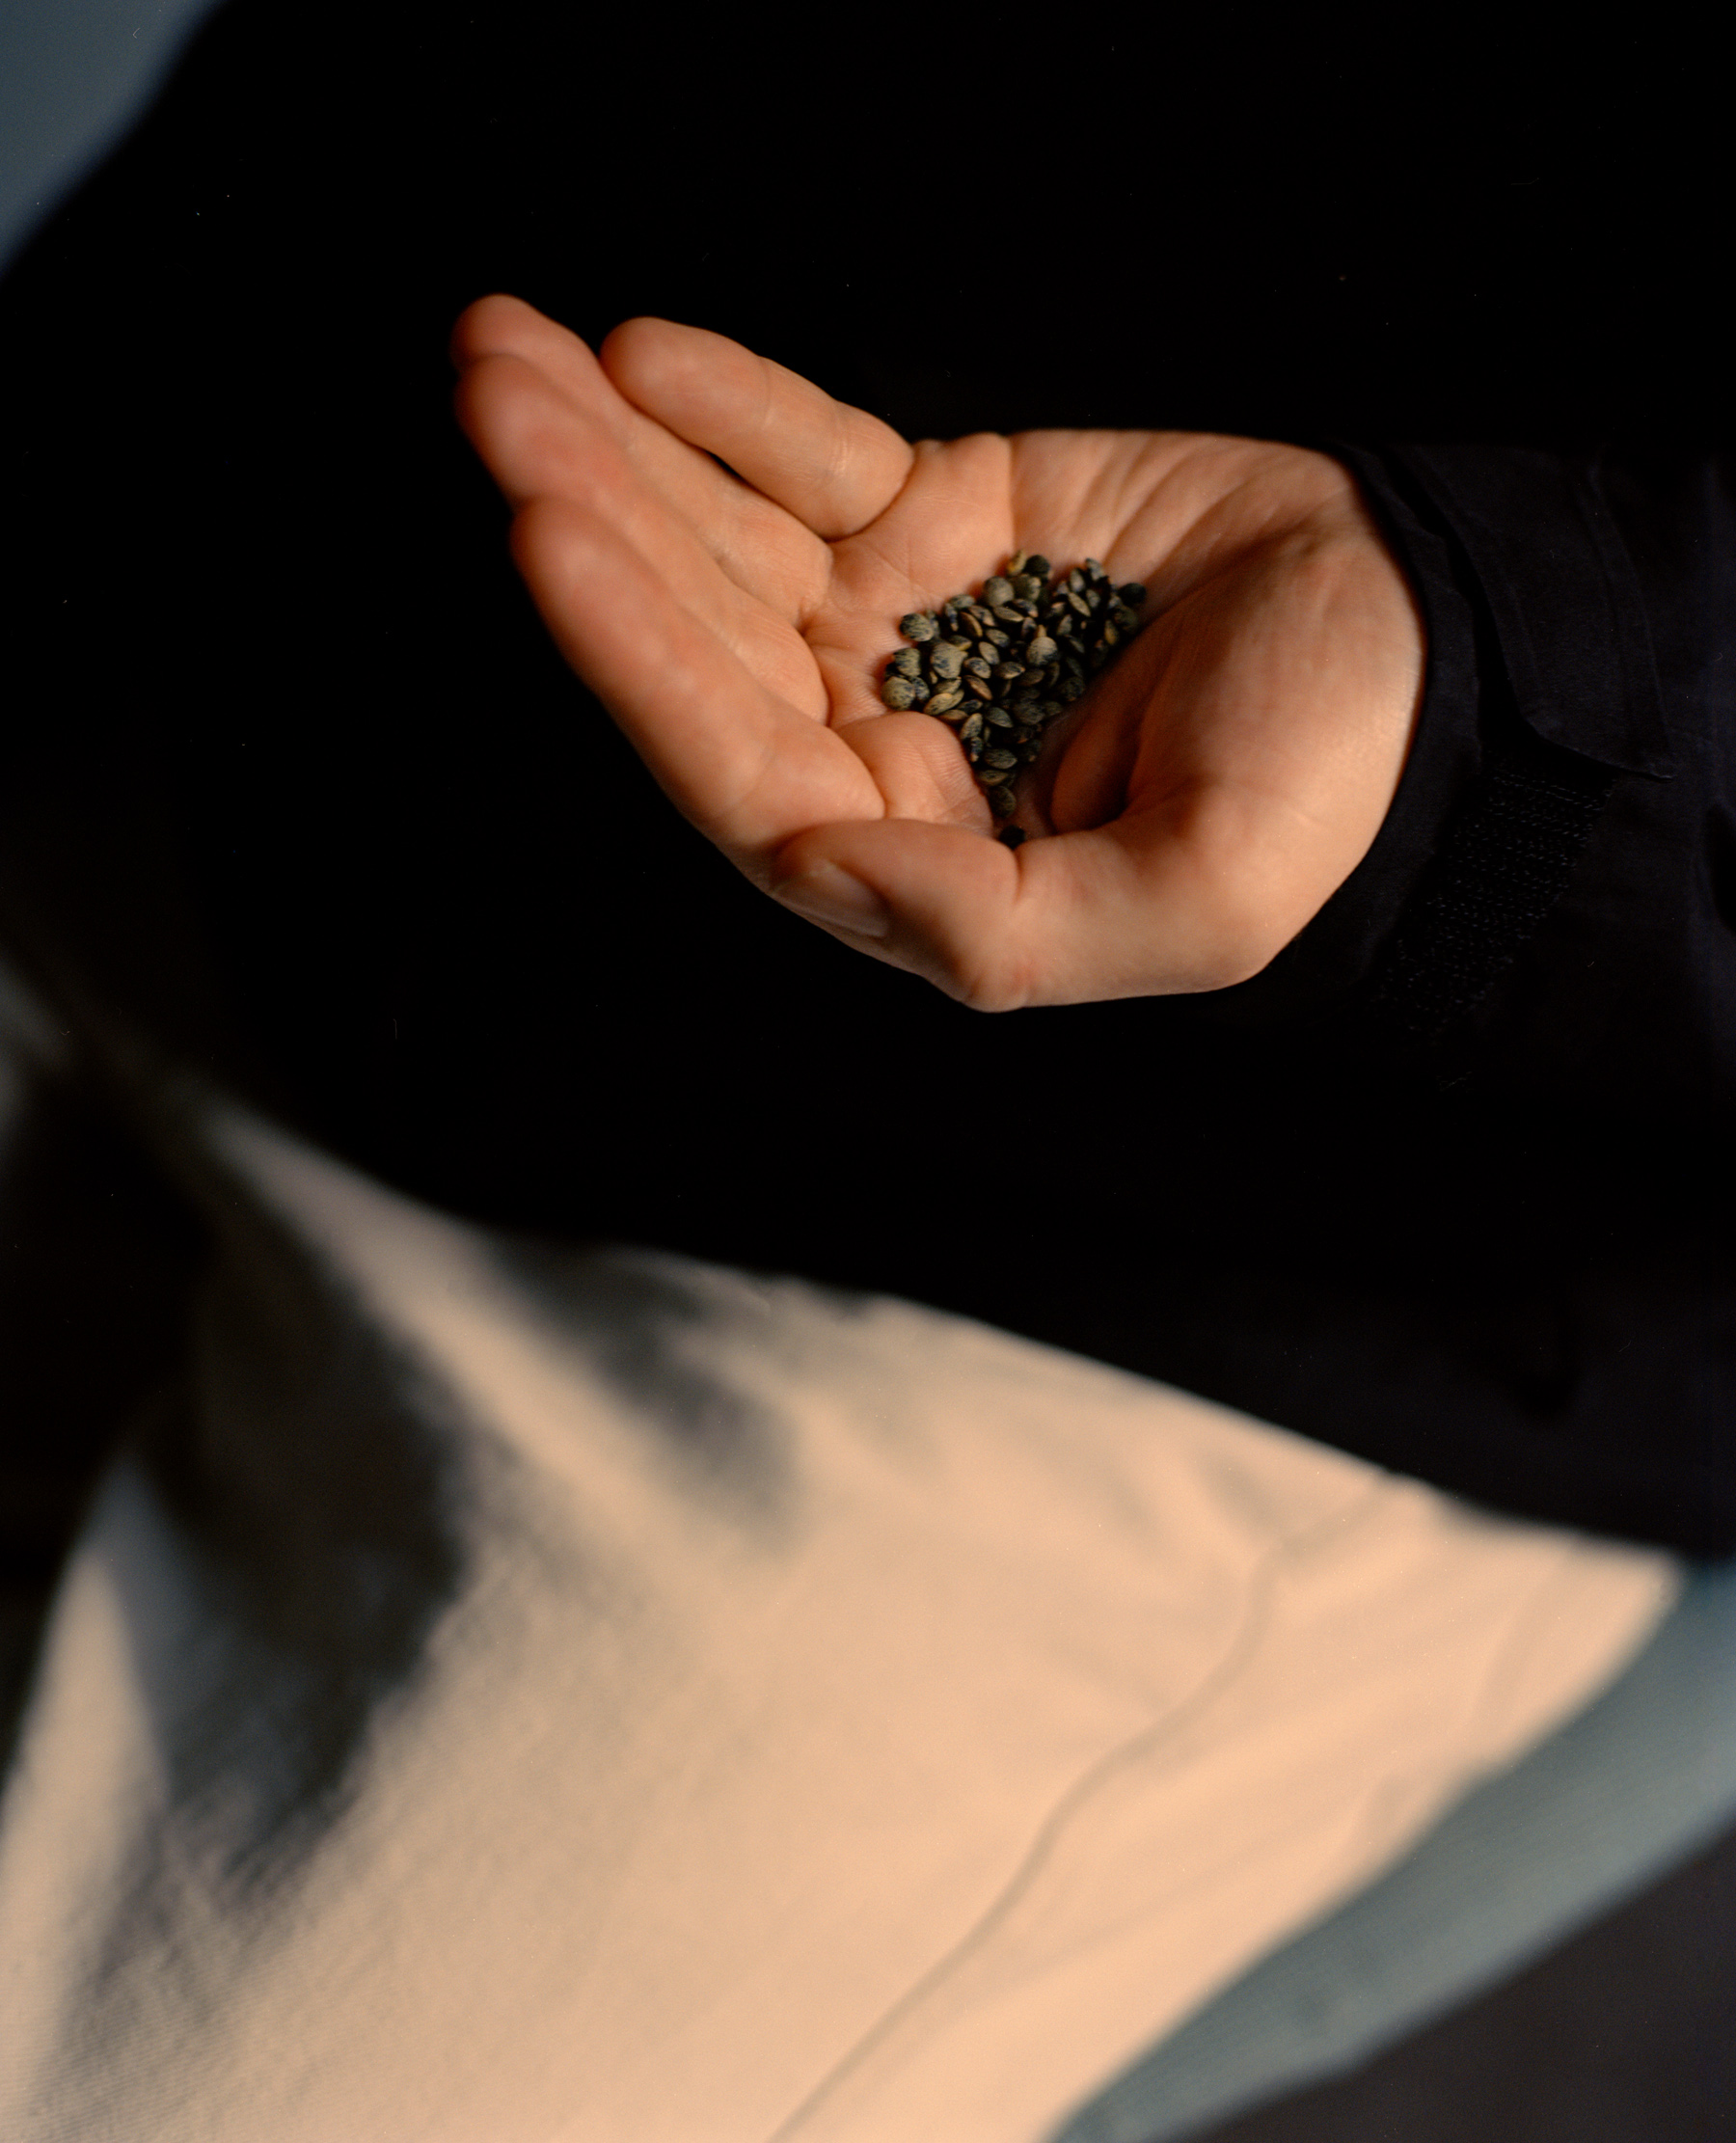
x=514 y=1692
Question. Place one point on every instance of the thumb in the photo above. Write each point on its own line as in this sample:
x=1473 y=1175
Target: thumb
x=1134 y=908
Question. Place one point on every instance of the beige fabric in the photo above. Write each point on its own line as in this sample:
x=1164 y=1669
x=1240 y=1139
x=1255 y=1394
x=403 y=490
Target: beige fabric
x=540 y=1695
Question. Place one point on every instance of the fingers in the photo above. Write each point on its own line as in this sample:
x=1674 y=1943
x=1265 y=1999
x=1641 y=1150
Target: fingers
x=535 y=442
x=834 y=468
x=541 y=412
x=539 y=445
x=501 y=326
x=744 y=764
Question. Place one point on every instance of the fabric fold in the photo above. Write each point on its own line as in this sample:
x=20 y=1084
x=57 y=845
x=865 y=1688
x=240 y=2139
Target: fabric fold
x=519 y=1693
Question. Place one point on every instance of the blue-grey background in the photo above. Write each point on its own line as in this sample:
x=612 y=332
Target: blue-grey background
x=74 y=74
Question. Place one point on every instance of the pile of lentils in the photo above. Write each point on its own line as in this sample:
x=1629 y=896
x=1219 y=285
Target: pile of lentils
x=1000 y=668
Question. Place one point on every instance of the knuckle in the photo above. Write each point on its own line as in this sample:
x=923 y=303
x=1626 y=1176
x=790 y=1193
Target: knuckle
x=987 y=980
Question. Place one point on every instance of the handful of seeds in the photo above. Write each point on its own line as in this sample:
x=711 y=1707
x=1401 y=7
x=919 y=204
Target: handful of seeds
x=999 y=670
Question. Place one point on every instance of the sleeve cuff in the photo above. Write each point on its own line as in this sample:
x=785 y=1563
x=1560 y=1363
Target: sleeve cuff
x=1563 y=594
x=1541 y=690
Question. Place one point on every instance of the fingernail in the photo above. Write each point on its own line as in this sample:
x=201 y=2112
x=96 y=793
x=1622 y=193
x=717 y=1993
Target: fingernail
x=827 y=894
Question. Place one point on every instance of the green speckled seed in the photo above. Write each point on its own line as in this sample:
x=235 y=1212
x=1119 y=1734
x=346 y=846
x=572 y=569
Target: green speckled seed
x=1000 y=668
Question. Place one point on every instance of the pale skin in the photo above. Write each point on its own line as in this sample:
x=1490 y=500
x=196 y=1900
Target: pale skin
x=722 y=552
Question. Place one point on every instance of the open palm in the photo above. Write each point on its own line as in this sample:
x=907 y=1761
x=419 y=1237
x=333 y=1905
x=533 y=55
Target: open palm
x=722 y=552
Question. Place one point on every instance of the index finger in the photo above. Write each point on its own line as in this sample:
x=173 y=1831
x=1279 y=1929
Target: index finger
x=835 y=468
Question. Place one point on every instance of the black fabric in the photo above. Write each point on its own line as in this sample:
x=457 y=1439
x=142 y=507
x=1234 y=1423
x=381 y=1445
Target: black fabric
x=296 y=788
x=1504 y=863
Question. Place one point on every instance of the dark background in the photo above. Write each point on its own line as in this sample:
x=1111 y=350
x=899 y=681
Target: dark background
x=293 y=779
x=291 y=770
x=253 y=564
x=290 y=777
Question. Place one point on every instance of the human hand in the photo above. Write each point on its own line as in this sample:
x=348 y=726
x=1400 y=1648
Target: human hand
x=1201 y=801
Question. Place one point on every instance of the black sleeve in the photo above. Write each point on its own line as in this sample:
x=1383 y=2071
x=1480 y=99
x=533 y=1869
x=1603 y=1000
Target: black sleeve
x=1557 y=872
x=1569 y=929
x=1488 y=1237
